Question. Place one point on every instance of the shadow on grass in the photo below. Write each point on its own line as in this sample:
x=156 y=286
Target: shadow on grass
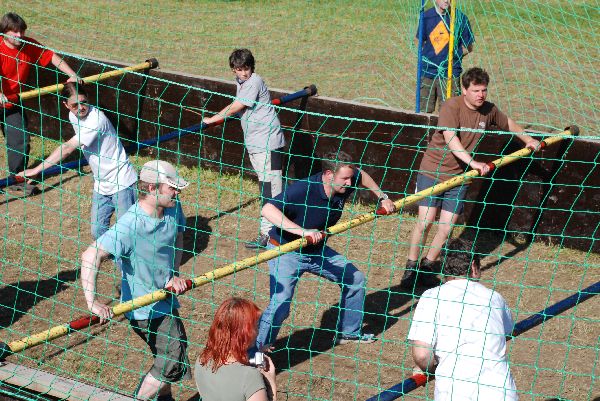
x=7 y=198
x=383 y=309
x=381 y=313
x=18 y=298
x=487 y=241
x=195 y=241
x=198 y=231
x=301 y=345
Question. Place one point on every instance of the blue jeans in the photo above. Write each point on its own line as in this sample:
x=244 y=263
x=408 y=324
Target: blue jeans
x=284 y=274
x=103 y=207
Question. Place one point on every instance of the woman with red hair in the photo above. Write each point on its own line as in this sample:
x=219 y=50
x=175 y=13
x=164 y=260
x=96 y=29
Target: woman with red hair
x=223 y=371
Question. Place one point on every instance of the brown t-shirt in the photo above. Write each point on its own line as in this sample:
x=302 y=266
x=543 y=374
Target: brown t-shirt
x=438 y=161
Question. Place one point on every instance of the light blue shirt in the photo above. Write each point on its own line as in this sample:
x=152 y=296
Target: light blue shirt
x=144 y=248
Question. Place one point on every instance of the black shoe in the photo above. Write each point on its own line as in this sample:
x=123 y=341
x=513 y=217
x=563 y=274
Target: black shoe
x=22 y=189
x=432 y=266
x=427 y=274
x=260 y=242
x=410 y=275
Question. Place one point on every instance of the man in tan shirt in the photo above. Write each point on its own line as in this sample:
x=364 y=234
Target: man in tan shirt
x=450 y=153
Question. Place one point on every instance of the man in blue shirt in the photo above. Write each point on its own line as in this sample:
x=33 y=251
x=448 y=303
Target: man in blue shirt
x=147 y=243
x=306 y=209
x=435 y=46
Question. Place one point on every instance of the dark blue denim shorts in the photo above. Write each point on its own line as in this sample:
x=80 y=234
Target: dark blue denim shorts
x=452 y=200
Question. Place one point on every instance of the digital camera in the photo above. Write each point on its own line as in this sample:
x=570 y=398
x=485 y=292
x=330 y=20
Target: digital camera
x=258 y=360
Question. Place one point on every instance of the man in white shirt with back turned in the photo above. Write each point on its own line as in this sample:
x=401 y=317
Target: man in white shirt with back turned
x=459 y=332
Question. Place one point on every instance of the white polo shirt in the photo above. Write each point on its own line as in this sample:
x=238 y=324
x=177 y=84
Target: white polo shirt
x=466 y=324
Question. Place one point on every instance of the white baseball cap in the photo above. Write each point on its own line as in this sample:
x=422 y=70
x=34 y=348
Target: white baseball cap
x=158 y=171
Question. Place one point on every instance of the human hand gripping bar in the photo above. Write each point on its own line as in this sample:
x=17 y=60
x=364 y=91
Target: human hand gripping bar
x=569 y=132
x=122 y=308
x=57 y=88
x=77 y=164
x=148 y=64
x=419 y=379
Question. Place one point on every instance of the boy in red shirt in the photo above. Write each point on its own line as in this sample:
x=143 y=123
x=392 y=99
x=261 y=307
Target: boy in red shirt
x=17 y=58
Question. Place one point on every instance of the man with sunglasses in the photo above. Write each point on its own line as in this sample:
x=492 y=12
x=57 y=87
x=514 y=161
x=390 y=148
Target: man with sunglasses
x=114 y=175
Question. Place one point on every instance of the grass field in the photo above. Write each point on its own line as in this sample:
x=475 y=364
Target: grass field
x=45 y=234
x=542 y=55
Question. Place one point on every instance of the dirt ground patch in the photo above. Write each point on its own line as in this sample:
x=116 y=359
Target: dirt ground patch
x=44 y=235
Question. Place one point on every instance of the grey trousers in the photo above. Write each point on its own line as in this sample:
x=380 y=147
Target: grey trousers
x=434 y=91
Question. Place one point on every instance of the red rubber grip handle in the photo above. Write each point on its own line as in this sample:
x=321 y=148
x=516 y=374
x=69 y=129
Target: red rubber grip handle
x=188 y=286
x=87 y=321
x=542 y=146
x=19 y=179
x=381 y=212
x=84 y=322
x=420 y=379
x=492 y=166
x=310 y=241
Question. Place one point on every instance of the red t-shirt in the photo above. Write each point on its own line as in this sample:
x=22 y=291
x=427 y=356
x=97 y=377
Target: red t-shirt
x=15 y=65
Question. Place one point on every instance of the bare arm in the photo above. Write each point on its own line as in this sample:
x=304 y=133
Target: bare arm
x=90 y=262
x=368 y=182
x=423 y=356
x=230 y=110
x=276 y=217
x=62 y=65
x=57 y=155
x=461 y=153
x=529 y=142
x=271 y=392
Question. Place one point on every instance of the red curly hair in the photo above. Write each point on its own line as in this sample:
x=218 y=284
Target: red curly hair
x=232 y=332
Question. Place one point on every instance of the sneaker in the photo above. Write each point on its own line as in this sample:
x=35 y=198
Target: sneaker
x=356 y=339
x=22 y=189
x=260 y=242
x=410 y=275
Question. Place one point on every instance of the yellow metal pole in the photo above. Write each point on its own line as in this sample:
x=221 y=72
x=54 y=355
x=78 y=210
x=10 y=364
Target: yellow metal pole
x=451 y=48
x=149 y=64
x=159 y=295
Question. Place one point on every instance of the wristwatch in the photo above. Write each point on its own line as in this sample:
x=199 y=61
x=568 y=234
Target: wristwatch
x=383 y=197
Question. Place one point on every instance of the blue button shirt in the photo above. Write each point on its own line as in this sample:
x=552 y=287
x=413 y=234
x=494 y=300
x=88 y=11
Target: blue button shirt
x=306 y=204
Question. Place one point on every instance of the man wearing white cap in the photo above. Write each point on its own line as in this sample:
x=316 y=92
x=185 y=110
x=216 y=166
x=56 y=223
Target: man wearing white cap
x=147 y=241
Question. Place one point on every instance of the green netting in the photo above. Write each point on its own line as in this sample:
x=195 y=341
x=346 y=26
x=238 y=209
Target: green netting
x=540 y=56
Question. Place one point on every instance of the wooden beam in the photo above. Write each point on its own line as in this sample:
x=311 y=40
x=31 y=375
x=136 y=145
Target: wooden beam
x=56 y=386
